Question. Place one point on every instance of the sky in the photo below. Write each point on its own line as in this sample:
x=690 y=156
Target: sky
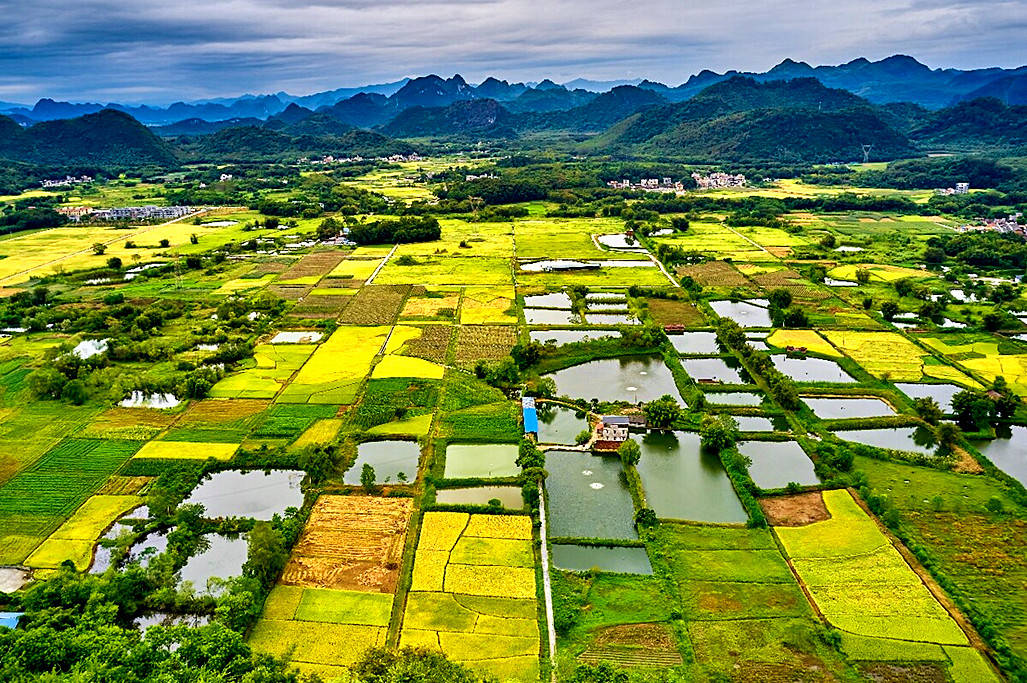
x=167 y=50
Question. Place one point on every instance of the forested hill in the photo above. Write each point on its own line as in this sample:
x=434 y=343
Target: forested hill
x=740 y=119
x=107 y=138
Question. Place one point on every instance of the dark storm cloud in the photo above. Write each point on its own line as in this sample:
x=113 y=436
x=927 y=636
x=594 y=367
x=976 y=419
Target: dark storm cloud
x=160 y=51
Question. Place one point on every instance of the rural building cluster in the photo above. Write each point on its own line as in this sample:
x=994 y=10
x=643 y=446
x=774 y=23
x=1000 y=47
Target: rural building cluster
x=125 y=213
x=66 y=181
x=718 y=180
x=648 y=185
x=960 y=188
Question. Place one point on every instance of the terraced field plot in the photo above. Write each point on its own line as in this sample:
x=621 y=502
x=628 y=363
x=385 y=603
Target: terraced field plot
x=889 y=355
x=807 y=339
x=860 y=582
x=74 y=540
x=375 y=305
x=448 y=270
x=487 y=305
x=350 y=543
x=472 y=596
x=335 y=371
x=274 y=365
x=38 y=499
x=982 y=355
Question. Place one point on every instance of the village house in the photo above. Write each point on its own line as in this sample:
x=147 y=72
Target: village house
x=614 y=428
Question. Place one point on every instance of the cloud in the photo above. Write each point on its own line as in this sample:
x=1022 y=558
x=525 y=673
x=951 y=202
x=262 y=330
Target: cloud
x=103 y=50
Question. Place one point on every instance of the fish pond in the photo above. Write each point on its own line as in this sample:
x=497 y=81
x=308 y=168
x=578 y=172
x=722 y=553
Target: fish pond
x=837 y=408
x=628 y=378
x=549 y=316
x=723 y=370
x=570 y=336
x=758 y=423
x=257 y=494
x=552 y=300
x=745 y=313
x=223 y=559
x=699 y=343
x=812 y=370
x=583 y=558
x=941 y=393
x=508 y=496
x=559 y=424
x=734 y=398
x=1008 y=451
x=393 y=461
x=775 y=464
x=588 y=496
x=912 y=439
x=464 y=461
x=682 y=481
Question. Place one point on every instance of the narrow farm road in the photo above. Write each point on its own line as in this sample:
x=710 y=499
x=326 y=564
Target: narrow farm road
x=547 y=587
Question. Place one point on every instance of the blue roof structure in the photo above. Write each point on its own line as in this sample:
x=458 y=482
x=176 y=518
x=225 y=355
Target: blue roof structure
x=10 y=619
x=530 y=416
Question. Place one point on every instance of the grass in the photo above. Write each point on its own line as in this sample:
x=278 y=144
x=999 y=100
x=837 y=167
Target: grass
x=187 y=450
x=832 y=558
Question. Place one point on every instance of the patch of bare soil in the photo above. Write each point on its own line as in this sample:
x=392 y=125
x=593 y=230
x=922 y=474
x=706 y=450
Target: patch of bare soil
x=795 y=510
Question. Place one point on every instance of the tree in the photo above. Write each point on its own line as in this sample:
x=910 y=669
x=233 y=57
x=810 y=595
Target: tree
x=828 y=241
x=367 y=478
x=74 y=392
x=317 y=461
x=862 y=275
x=266 y=553
x=646 y=517
x=629 y=453
x=948 y=434
x=526 y=355
x=992 y=321
x=780 y=298
x=583 y=436
x=530 y=456
x=165 y=243
x=545 y=387
x=411 y=665
x=114 y=263
x=663 y=412
x=934 y=255
x=99 y=248
x=718 y=432
x=928 y=409
x=47 y=381
x=972 y=409
x=889 y=309
x=903 y=287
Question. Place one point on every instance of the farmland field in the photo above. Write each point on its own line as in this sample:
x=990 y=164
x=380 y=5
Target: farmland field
x=472 y=594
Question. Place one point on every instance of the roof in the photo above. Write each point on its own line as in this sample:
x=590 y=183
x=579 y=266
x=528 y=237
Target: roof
x=530 y=420
x=10 y=619
x=616 y=420
x=528 y=402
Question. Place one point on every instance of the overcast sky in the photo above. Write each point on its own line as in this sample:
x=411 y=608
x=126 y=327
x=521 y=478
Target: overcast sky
x=159 y=51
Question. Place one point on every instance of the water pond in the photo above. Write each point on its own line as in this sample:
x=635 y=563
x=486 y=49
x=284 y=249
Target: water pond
x=148 y=547
x=620 y=241
x=509 y=496
x=682 y=481
x=570 y=336
x=723 y=370
x=559 y=424
x=840 y=408
x=1008 y=451
x=223 y=559
x=588 y=496
x=734 y=398
x=609 y=319
x=912 y=439
x=166 y=619
x=603 y=306
x=695 y=342
x=628 y=378
x=552 y=300
x=255 y=493
x=297 y=337
x=812 y=370
x=549 y=316
x=942 y=393
x=582 y=558
x=758 y=423
x=775 y=464
x=464 y=461
x=744 y=313
x=390 y=460
x=832 y=282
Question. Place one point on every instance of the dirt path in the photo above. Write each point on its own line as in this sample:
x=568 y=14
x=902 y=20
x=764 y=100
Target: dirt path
x=382 y=264
x=547 y=588
x=755 y=244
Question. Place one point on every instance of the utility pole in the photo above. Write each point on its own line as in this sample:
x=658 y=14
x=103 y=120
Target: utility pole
x=866 y=153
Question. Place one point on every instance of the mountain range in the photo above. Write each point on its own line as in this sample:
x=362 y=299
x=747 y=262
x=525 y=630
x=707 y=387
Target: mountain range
x=738 y=119
x=895 y=79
